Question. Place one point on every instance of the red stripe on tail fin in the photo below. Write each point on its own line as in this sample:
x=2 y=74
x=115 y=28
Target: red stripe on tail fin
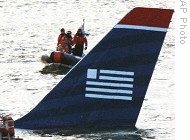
x=148 y=17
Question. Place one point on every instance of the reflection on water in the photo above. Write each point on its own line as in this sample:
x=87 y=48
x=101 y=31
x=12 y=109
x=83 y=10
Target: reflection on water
x=131 y=134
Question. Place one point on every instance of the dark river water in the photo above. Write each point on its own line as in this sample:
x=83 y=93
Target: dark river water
x=29 y=28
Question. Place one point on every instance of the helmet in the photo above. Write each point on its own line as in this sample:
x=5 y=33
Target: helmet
x=69 y=32
x=62 y=30
x=79 y=30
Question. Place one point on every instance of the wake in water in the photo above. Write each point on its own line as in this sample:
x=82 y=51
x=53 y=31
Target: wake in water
x=130 y=134
x=56 y=69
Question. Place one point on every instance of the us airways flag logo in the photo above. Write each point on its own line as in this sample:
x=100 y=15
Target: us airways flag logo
x=109 y=84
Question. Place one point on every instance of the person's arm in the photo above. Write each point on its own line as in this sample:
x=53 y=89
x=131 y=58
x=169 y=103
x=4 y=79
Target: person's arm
x=85 y=41
x=59 y=40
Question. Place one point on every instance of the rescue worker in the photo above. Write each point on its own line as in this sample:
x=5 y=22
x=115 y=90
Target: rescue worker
x=60 y=39
x=67 y=42
x=60 y=57
x=79 y=41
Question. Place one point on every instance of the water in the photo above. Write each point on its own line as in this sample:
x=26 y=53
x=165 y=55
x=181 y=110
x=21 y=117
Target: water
x=30 y=28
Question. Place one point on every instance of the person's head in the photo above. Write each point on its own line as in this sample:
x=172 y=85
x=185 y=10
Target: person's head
x=62 y=31
x=69 y=32
x=79 y=31
x=45 y=59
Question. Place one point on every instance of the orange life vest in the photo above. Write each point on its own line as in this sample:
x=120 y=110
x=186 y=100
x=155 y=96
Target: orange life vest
x=57 y=57
x=66 y=42
x=60 y=40
x=80 y=40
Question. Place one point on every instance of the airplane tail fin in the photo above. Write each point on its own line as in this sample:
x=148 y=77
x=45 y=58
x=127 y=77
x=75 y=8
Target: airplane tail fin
x=106 y=89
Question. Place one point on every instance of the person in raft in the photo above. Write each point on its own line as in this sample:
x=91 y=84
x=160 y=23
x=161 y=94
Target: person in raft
x=62 y=34
x=79 y=41
x=67 y=42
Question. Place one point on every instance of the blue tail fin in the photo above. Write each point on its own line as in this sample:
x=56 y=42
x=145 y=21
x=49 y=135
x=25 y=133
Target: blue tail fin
x=107 y=87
